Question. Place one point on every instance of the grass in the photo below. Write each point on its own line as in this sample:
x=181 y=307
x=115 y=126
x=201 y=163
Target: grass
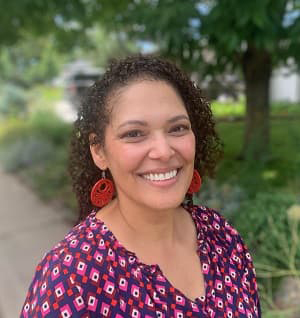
x=230 y=109
x=238 y=108
x=282 y=171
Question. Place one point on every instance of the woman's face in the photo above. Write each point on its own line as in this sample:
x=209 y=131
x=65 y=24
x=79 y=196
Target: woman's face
x=149 y=145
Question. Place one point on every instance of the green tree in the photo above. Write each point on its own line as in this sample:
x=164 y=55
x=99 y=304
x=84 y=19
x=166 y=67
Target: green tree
x=255 y=36
x=31 y=60
x=101 y=46
x=251 y=36
x=65 y=18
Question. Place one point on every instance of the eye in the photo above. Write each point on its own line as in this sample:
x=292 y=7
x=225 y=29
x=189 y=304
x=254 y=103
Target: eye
x=180 y=128
x=132 y=134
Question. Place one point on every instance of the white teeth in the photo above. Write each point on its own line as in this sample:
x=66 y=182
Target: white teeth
x=160 y=176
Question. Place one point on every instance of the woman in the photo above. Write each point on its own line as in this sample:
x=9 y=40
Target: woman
x=142 y=139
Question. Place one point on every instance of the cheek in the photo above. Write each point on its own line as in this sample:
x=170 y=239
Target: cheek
x=187 y=147
x=129 y=156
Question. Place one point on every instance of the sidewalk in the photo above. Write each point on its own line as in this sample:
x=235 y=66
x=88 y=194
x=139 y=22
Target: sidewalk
x=28 y=229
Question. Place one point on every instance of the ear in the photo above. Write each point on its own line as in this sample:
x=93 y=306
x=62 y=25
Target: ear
x=98 y=154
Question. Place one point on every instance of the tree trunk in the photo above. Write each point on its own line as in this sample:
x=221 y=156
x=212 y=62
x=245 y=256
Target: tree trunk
x=257 y=68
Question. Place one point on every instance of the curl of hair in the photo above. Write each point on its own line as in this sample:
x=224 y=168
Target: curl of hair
x=93 y=116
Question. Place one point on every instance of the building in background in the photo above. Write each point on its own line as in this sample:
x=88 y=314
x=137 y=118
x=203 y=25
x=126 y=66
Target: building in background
x=285 y=85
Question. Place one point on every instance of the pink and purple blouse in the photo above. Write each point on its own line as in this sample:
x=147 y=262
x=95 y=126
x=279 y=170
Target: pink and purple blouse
x=90 y=274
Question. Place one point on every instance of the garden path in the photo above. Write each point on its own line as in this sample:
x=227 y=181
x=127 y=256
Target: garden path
x=28 y=229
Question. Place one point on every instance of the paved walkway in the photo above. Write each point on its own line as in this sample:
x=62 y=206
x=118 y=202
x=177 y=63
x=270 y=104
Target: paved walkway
x=28 y=229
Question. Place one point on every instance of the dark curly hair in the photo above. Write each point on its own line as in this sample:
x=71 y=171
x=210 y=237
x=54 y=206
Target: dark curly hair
x=94 y=115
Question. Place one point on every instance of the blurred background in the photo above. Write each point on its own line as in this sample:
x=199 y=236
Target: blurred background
x=245 y=55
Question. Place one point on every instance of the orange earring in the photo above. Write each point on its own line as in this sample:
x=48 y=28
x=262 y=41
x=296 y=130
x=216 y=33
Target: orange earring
x=195 y=183
x=102 y=192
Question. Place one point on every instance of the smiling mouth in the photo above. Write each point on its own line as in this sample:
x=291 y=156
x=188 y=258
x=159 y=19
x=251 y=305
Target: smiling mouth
x=161 y=176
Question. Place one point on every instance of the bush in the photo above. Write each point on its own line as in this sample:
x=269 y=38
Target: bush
x=47 y=125
x=43 y=125
x=273 y=238
x=26 y=152
x=13 y=101
x=37 y=149
x=266 y=227
x=225 y=197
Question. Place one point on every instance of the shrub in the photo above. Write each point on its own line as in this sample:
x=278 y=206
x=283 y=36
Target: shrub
x=37 y=149
x=225 y=197
x=265 y=226
x=273 y=237
x=13 y=101
x=26 y=152
x=49 y=126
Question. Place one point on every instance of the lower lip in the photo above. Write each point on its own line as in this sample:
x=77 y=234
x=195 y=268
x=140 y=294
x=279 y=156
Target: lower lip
x=162 y=183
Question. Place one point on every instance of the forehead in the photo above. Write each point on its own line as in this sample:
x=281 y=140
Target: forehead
x=147 y=100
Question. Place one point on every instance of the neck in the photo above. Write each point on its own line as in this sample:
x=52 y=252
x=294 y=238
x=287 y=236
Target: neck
x=148 y=227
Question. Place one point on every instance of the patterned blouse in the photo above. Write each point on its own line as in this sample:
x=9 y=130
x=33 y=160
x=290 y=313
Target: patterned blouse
x=90 y=274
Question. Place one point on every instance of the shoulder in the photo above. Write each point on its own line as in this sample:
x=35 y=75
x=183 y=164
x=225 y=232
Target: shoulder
x=217 y=231
x=212 y=221
x=80 y=244
x=223 y=242
x=86 y=243
x=67 y=269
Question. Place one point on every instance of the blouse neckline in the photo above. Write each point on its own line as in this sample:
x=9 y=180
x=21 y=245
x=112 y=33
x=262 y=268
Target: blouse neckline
x=152 y=269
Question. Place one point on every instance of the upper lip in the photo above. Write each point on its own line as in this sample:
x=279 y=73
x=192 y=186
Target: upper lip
x=160 y=170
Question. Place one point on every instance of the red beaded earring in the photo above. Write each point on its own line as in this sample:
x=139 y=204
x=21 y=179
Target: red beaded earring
x=102 y=192
x=195 y=183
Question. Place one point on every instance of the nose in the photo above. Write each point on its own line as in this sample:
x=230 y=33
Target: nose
x=161 y=148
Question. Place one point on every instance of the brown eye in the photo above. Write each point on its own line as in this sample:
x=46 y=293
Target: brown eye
x=132 y=134
x=180 y=128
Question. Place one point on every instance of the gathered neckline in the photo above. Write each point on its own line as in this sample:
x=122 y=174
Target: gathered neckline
x=134 y=259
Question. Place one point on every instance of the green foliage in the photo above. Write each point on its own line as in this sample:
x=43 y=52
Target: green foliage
x=288 y=313
x=25 y=152
x=103 y=46
x=181 y=29
x=13 y=101
x=273 y=238
x=269 y=188
x=228 y=109
x=37 y=149
x=30 y=61
x=279 y=171
x=264 y=224
x=64 y=18
x=48 y=126
x=283 y=108
x=43 y=125
x=230 y=27
x=201 y=36
x=210 y=37
x=49 y=178
x=172 y=25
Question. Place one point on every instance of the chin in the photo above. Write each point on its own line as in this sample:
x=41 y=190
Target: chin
x=165 y=204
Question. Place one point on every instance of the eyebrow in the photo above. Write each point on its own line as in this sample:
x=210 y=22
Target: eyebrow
x=143 y=123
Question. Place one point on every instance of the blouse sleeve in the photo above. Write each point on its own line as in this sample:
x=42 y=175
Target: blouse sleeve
x=249 y=274
x=53 y=292
x=240 y=252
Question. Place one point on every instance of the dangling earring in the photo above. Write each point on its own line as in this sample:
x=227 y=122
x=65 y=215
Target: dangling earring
x=195 y=183
x=102 y=192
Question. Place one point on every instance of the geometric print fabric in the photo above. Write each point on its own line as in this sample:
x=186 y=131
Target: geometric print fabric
x=90 y=274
